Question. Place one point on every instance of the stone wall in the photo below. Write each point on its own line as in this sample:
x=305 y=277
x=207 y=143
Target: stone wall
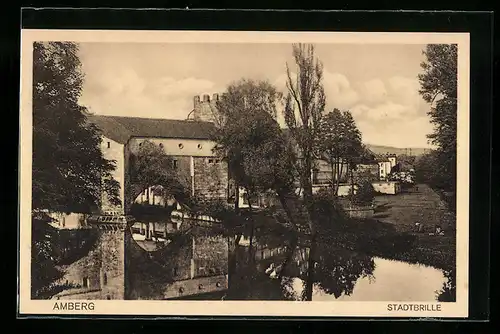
x=114 y=151
x=99 y=274
x=387 y=187
x=112 y=271
x=211 y=178
x=156 y=275
x=210 y=256
x=360 y=212
x=201 y=285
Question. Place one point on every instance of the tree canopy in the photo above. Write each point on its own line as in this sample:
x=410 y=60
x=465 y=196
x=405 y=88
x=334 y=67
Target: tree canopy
x=250 y=139
x=339 y=143
x=151 y=167
x=439 y=88
x=69 y=170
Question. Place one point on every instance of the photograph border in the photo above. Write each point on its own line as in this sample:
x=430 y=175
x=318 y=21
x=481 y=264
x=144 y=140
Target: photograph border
x=462 y=196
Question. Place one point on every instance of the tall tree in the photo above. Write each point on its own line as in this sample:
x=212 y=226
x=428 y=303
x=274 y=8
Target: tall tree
x=304 y=105
x=439 y=88
x=248 y=137
x=69 y=171
x=339 y=143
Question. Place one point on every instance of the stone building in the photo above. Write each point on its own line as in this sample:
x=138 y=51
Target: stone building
x=110 y=268
x=186 y=141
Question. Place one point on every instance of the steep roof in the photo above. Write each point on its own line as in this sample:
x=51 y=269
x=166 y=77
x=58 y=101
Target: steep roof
x=121 y=129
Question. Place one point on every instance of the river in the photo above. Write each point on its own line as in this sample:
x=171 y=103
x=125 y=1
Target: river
x=339 y=274
x=390 y=281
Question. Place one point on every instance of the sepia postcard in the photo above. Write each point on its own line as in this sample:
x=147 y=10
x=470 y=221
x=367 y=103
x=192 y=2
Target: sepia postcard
x=226 y=173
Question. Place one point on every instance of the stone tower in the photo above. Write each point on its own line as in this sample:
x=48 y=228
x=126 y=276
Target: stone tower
x=204 y=110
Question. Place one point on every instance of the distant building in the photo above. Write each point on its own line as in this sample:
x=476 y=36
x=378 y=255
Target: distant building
x=387 y=187
x=385 y=166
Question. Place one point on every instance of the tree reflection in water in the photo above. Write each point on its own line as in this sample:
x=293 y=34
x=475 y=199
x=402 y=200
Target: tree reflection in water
x=336 y=273
x=338 y=270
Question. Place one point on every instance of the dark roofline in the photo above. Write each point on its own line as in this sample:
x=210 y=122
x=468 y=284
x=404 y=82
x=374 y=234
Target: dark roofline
x=122 y=128
x=172 y=137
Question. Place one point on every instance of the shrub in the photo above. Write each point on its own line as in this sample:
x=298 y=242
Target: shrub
x=328 y=211
x=364 y=195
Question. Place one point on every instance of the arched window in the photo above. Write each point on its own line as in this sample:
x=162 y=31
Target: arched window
x=181 y=146
x=161 y=145
x=200 y=146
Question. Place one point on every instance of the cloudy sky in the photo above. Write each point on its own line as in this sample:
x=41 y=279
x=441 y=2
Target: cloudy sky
x=378 y=83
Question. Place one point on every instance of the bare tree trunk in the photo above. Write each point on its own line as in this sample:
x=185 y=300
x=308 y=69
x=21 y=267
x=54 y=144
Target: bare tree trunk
x=250 y=246
x=351 y=175
x=308 y=199
x=341 y=170
x=236 y=198
x=231 y=268
x=335 y=176
x=310 y=269
x=332 y=163
x=290 y=251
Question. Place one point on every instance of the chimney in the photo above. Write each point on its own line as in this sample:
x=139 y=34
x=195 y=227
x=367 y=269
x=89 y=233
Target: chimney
x=196 y=101
x=206 y=98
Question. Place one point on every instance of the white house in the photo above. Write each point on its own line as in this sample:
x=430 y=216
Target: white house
x=385 y=166
x=387 y=187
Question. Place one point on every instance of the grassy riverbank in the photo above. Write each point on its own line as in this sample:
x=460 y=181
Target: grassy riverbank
x=396 y=236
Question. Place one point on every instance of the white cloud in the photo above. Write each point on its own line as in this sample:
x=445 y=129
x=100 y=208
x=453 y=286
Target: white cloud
x=405 y=90
x=404 y=133
x=374 y=91
x=126 y=93
x=387 y=111
x=168 y=86
x=338 y=90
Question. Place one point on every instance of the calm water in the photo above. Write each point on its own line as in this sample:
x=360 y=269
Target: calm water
x=340 y=275
x=390 y=281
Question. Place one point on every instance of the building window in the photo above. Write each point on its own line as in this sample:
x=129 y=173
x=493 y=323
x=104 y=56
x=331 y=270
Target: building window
x=210 y=161
x=85 y=282
x=174 y=164
x=181 y=146
x=161 y=145
x=105 y=279
x=140 y=144
x=109 y=144
x=199 y=146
